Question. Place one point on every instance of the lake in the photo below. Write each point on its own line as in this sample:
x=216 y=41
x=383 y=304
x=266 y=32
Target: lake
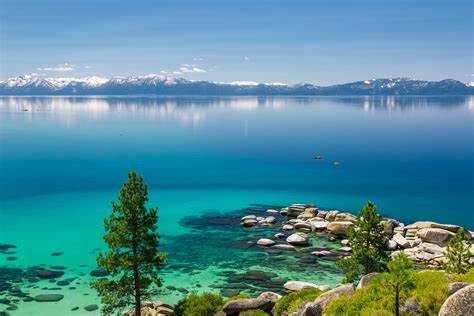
x=209 y=160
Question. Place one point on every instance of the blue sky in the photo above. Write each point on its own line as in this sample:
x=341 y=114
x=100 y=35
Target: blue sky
x=292 y=41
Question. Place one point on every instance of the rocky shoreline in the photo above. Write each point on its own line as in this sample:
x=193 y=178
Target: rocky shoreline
x=424 y=242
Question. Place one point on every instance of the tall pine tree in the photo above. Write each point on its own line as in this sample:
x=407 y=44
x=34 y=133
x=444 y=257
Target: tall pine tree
x=133 y=259
x=459 y=254
x=369 y=245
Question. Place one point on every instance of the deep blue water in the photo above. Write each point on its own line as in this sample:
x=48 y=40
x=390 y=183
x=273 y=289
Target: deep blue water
x=62 y=160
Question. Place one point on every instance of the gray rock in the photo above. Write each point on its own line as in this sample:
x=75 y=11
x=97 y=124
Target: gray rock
x=156 y=308
x=401 y=241
x=265 y=242
x=279 y=235
x=298 y=239
x=366 y=279
x=234 y=308
x=317 y=307
x=318 y=225
x=339 y=228
x=435 y=235
x=284 y=247
x=412 y=306
x=91 y=308
x=345 y=217
x=456 y=286
x=270 y=219
x=303 y=226
x=299 y=285
x=272 y=212
x=249 y=223
x=323 y=253
x=460 y=303
x=287 y=227
x=392 y=245
x=331 y=215
x=426 y=224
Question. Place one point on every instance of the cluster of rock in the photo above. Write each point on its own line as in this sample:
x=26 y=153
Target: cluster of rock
x=423 y=242
x=152 y=309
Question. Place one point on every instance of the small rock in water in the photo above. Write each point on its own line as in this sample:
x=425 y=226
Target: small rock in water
x=265 y=242
x=298 y=239
x=272 y=212
x=48 y=297
x=56 y=254
x=279 y=235
x=91 y=308
x=11 y=258
x=49 y=274
x=75 y=308
x=99 y=272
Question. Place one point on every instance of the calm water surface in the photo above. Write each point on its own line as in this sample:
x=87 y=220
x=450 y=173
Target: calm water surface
x=62 y=161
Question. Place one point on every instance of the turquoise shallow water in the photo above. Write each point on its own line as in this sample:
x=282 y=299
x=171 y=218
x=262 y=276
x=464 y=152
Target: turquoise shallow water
x=63 y=159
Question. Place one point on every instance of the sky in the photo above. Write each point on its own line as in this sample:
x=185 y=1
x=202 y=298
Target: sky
x=292 y=41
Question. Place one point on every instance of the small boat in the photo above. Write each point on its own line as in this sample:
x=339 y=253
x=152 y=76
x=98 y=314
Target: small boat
x=318 y=157
x=336 y=163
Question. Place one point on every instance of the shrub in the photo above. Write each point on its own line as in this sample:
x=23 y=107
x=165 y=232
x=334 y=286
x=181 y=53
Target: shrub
x=199 y=305
x=430 y=290
x=466 y=277
x=291 y=302
x=257 y=312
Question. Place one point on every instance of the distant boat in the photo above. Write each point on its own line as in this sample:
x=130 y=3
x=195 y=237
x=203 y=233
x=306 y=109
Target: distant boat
x=318 y=157
x=336 y=163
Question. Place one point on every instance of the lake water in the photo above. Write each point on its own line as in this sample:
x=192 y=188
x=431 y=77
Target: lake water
x=208 y=161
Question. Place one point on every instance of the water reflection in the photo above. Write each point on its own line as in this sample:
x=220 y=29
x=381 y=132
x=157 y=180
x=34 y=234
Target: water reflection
x=193 y=110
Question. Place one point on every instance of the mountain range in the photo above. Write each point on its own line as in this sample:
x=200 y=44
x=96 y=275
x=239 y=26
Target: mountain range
x=162 y=85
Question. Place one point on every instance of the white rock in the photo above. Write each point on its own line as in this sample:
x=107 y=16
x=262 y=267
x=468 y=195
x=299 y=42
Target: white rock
x=272 y=212
x=297 y=239
x=345 y=242
x=265 y=242
x=287 y=227
x=279 y=235
x=401 y=241
x=270 y=219
x=299 y=285
x=252 y=217
x=392 y=244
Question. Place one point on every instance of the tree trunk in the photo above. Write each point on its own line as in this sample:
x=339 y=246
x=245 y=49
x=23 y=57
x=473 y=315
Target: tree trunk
x=397 y=302
x=136 y=280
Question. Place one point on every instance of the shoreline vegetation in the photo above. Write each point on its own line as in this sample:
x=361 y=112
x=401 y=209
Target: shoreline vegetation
x=390 y=268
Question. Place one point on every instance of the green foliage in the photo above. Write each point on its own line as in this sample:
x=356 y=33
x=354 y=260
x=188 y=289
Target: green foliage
x=257 y=312
x=399 y=278
x=236 y=297
x=199 y=305
x=459 y=254
x=133 y=259
x=430 y=289
x=291 y=301
x=466 y=277
x=369 y=247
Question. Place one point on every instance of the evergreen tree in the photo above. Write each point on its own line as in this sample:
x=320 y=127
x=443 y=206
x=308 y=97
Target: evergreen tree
x=133 y=259
x=369 y=245
x=459 y=254
x=400 y=277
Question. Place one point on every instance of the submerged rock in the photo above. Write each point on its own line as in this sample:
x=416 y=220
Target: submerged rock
x=49 y=274
x=91 y=308
x=48 y=297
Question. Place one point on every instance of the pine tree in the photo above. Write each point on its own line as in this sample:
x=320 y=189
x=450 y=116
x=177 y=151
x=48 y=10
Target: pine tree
x=459 y=254
x=369 y=245
x=133 y=259
x=400 y=277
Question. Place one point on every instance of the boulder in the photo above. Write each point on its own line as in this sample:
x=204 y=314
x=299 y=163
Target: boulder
x=263 y=302
x=345 y=249
x=345 y=217
x=345 y=242
x=152 y=309
x=432 y=248
x=279 y=235
x=270 y=219
x=249 y=223
x=298 y=239
x=299 y=285
x=435 y=235
x=287 y=227
x=272 y=296
x=366 y=279
x=284 y=211
x=265 y=242
x=388 y=226
x=401 y=241
x=331 y=215
x=339 y=228
x=284 y=247
x=460 y=303
x=323 y=253
x=456 y=286
x=412 y=306
x=248 y=217
x=303 y=226
x=272 y=212
x=451 y=228
x=392 y=245
x=317 y=307
x=319 y=225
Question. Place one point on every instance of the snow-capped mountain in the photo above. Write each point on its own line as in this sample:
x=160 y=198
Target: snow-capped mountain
x=162 y=85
